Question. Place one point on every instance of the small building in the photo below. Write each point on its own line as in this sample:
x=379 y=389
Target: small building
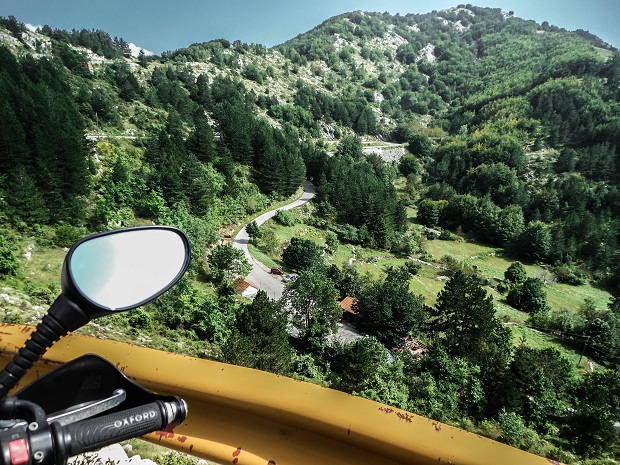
x=413 y=346
x=245 y=288
x=349 y=308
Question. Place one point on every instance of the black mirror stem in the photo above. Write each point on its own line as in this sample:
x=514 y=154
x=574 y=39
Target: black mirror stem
x=63 y=316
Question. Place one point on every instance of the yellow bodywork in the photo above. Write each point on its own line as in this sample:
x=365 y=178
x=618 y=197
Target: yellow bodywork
x=244 y=416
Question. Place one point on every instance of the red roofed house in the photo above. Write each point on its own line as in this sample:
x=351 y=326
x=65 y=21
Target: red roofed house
x=245 y=288
x=349 y=308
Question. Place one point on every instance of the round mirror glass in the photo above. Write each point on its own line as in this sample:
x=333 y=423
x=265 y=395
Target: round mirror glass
x=127 y=268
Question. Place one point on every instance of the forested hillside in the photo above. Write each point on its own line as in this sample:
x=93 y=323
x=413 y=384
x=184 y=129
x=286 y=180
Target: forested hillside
x=512 y=130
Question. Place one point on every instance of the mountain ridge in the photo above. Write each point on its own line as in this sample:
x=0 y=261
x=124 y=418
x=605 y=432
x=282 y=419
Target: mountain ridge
x=510 y=136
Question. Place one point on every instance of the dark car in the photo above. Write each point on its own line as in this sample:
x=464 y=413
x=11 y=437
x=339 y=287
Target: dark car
x=275 y=270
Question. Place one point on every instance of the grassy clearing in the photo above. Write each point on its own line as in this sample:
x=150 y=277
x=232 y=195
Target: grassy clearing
x=144 y=449
x=263 y=257
x=150 y=451
x=44 y=265
x=571 y=297
x=488 y=261
x=36 y=284
x=538 y=340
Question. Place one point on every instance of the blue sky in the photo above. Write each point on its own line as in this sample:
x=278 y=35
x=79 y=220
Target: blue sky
x=160 y=25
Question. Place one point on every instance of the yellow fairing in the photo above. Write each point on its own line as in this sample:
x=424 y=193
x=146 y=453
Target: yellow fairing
x=243 y=416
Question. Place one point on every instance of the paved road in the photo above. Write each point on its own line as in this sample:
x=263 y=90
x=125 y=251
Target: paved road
x=260 y=276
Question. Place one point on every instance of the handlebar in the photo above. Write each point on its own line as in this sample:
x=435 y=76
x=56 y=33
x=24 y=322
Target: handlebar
x=98 y=432
x=30 y=444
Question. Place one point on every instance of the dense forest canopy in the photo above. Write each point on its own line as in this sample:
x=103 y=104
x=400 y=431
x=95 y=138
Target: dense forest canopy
x=512 y=137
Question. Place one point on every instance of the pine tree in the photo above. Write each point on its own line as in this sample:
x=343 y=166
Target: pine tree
x=463 y=319
x=201 y=141
x=260 y=338
x=389 y=311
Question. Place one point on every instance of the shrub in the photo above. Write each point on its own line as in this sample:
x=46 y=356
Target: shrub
x=349 y=233
x=66 y=235
x=502 y=287
x=516 y=434
x=8 y=259
x=515 y=273
x=568 y=275
x=13 y=317
x=307 y=369
x=413 y=268
x=253 y=230
x=448 y=236
x=530 y=296
x=331 y=240
x=44 y=293
x=175 y=458
x=139 y=319
x=284 y=218
x=449 y=261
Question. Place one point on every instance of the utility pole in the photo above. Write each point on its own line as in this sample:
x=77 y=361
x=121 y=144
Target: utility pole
x=583 y=350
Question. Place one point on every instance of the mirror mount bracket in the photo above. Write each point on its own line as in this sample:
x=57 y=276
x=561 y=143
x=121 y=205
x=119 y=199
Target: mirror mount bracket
x=66 y=315
x=63 y=316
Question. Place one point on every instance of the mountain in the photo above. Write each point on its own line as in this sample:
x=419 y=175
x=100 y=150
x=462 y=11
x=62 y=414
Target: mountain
x=487 y=90
x=508 y=133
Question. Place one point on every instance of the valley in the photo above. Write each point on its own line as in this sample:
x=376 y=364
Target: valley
x=466 y=193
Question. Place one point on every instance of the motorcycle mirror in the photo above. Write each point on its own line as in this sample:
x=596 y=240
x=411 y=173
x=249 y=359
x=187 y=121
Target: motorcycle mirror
x=124 y=269
x=102 y=274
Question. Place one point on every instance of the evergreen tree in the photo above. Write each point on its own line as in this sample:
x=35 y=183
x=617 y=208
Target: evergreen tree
x=597 y=401
x=8 y=259
x=294 y=173
x=529 y=296
x=302 y=254
x=515 y=273
x=445 y=388
x=537 y=384
x=165 y=155
x=25 y=199
x=204 y=185
x=260 y=338
x=389 y=311
x=463 y=319
x=43 y=155
x=201 y=141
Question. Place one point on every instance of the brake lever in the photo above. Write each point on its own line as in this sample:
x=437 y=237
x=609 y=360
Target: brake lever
x=87 y=409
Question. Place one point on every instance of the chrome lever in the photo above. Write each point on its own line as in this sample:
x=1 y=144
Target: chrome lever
x=87 y=409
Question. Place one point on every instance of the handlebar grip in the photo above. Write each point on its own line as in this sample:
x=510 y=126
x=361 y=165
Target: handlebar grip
x=95 y=433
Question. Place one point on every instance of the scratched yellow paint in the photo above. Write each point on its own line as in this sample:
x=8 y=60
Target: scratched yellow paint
x=248 y=417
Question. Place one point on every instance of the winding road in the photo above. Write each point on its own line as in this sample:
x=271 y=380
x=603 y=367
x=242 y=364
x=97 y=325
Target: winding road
x=260 y=276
